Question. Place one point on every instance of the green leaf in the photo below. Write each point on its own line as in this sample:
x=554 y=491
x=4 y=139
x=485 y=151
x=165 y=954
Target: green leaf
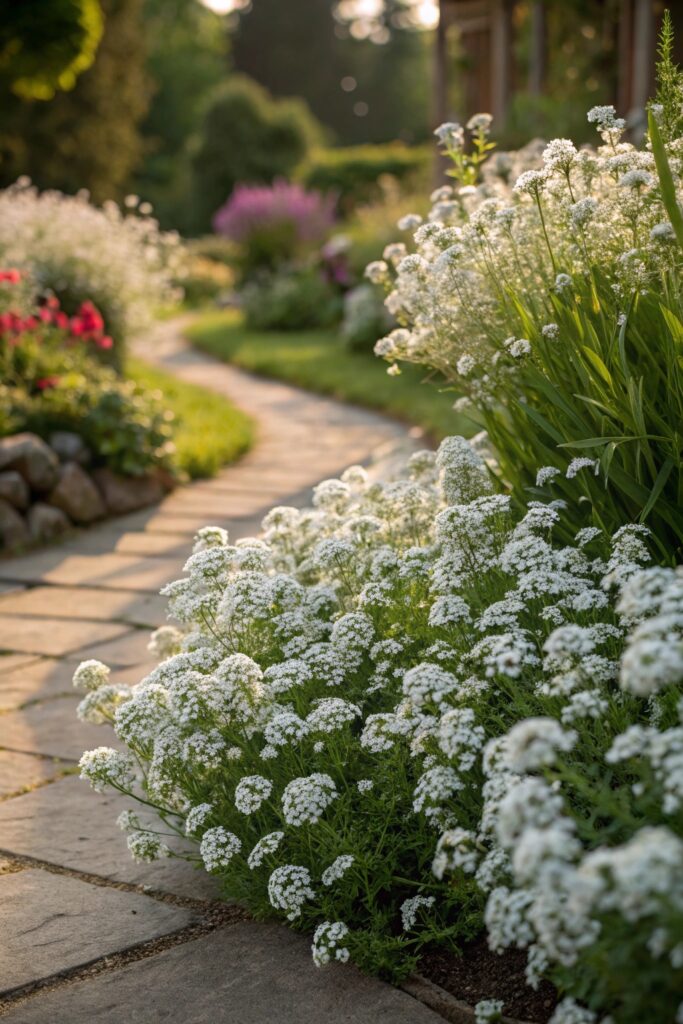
x=597 y=363
x=658 y=487
x=666 y=181
x=674 y=324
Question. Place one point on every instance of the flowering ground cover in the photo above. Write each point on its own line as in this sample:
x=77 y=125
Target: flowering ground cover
x=506 y=755
x=317 y=360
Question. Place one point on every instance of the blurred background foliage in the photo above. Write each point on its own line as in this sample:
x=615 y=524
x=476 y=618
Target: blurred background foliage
x=178 y=103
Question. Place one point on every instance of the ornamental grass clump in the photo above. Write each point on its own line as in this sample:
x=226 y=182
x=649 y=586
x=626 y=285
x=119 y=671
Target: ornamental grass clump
x=546 y=288
x=413 y=712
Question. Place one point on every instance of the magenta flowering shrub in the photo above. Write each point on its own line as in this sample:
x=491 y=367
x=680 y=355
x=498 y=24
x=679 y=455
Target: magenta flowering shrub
x=274 y=223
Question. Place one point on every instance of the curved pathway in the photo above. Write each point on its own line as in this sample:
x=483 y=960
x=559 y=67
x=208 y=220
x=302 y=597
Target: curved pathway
x=88 y=935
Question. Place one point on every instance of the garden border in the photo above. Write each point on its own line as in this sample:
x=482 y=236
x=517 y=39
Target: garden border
x=442 y=1002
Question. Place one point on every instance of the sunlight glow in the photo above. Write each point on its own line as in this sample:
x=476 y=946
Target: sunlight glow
x=225 y=6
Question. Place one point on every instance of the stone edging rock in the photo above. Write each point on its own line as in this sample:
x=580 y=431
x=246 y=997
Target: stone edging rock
x=45 y=489
x=442 y=1002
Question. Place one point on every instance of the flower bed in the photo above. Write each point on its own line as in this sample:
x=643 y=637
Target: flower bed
x=447 y=709
x=503 y=755
x=548 y=295
x=115 y=258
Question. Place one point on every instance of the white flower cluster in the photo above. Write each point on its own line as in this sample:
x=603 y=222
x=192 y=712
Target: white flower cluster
x=117 y=259
x=539 y=734
x=327 y=943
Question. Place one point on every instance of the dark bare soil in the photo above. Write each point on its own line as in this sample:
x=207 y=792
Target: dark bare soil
x=481 y=974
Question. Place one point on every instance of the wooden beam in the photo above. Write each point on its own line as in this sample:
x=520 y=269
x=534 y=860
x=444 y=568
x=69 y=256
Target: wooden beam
x=501 y=59
x=538 y=49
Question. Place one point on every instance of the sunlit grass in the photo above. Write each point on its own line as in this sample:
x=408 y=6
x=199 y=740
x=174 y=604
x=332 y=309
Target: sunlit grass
x=209 y=430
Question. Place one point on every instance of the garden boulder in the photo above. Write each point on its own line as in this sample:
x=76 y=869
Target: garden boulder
x=13 y=529
x=70 y=447
x=76 y=495
x=46 y=522
x=14 y=489
x=123 y=494
x=30 y=456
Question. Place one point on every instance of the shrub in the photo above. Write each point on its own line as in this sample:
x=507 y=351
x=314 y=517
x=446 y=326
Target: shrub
x=294 y=299
x=52 y=382
x=118 y=261
x=409 y=660
x=246 y=136
x=555 y=306
x=273 y=224
x=354 y=173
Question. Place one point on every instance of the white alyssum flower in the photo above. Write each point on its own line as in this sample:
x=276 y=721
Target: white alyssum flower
x=251 y=792
x=488 y=1011
x=218 y=847
x=327 y=940
x=305 y=799
x=337 y=868
x=146 y=847
x=536 y=742
x=289 y=887
x=105 y=766
x=90 y=675
x=410 y=908
x=264 y=848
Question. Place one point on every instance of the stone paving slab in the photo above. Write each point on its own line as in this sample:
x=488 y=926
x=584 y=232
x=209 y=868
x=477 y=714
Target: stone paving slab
x=19 y=772
x=48 y=678
x=54 y=636
x=52 y=729
x=86 y=603
x=246 y=974
x=54 y=922
x=10 y=662
x=36 y=680
x=122 y=652
x=68 y=824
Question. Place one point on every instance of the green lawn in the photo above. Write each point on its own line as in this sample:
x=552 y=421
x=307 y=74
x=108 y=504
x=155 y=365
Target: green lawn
x=318 y=360
x=209 y=430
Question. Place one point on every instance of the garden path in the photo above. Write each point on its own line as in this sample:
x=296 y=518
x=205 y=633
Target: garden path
x=87 y=934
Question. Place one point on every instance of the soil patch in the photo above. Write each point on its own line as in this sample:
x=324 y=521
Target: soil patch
x=481 y=974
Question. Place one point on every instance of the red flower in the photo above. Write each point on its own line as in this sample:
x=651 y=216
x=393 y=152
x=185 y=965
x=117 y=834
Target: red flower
x=44 y=383
x=105 y=342
x=11 y=276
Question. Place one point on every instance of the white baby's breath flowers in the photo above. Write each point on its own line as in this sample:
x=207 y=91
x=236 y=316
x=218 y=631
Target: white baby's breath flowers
x=410 y=909
x=146 y=847
x=305 y=799
x=327 y=940
x=90 y=675
x=105 y=766
x=218 y=847
x=289 y=887
x=265 y=847
x=337 y=869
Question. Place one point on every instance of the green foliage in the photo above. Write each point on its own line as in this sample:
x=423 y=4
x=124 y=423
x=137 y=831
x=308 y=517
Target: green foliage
x=291 y=300
x=208 y=430
x=45 y=46
x=187 y=57
x=354 y=173
x=669 y=96
x=317 y=360
x=246 y=136
x=309 y=54
x=91 y=133
x=55 y=388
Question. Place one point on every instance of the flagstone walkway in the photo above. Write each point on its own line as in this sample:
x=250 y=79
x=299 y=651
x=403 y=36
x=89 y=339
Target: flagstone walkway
x=87 y=934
